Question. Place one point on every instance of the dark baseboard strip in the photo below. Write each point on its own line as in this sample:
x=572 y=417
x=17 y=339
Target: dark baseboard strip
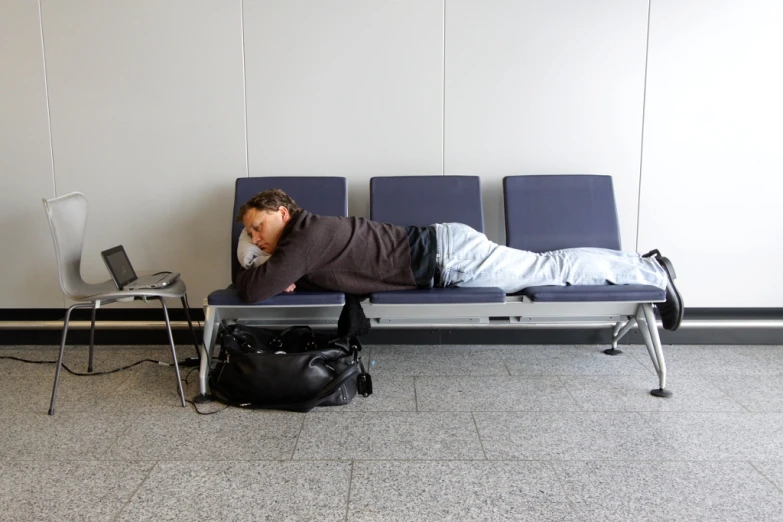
x=464 y=336
x=707 y=326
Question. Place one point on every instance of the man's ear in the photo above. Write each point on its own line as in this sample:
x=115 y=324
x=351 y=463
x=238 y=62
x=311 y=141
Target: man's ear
x=284 y=214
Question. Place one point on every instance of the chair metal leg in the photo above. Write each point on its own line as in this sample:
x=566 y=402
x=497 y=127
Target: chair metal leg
x=62 y=352
x=173 y=350
x=190 y=323
x=92 y=338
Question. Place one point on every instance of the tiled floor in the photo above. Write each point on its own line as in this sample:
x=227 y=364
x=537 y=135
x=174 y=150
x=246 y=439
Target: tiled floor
x=451 y=433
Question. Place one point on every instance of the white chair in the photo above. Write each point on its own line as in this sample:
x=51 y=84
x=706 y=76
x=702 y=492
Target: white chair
x=67 y=219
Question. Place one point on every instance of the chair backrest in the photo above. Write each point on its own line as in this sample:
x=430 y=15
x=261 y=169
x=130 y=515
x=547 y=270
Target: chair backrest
x=323 y=195
x=425 y=200
x=551 y=212
x=67 y=220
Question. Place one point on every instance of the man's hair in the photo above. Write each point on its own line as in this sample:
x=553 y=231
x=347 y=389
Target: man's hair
x=271 y=199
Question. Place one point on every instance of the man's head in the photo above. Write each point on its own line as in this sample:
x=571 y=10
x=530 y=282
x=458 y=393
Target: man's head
x=265 y=216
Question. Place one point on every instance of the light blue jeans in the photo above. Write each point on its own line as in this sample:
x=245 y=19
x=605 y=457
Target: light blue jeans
x=467 y=258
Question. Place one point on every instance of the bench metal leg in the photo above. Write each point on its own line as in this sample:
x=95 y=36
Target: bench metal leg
x=645 y=318
x=205 y=353
x=618 y=333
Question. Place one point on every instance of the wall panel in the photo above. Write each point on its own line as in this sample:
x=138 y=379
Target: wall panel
x=348 y=88
x=551 y=87
x=711 y=178
x=148 y=121
x=29 y=276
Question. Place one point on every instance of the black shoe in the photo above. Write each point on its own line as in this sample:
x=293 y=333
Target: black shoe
x=673 y=308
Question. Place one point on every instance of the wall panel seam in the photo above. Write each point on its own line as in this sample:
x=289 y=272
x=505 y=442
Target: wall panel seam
x=443 y=98
x=644 y=111
x=244 y=82
x=48 y=111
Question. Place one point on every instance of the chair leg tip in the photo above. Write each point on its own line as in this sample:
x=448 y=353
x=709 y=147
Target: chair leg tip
x=613 y=351
x=51 y=411
x=660 y=392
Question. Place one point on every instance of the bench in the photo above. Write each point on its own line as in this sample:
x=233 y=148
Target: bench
x=541 y=213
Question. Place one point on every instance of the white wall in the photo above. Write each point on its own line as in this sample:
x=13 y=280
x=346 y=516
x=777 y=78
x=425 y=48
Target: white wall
x=28 y=277
x=548 y=87
x=713 y=149
x=188 y=95
x=150 y=94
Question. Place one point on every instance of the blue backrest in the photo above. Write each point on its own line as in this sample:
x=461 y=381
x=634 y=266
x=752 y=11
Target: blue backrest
x=324 y=195
x=546 y=213
x=425 y=200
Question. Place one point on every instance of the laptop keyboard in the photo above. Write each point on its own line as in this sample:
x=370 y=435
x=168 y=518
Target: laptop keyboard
x=150 y=280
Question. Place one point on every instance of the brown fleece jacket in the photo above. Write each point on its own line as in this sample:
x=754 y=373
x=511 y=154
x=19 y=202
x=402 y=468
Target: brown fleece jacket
x=343 y=254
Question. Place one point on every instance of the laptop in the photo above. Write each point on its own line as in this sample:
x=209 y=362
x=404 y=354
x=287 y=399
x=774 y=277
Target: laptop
x=124 y=276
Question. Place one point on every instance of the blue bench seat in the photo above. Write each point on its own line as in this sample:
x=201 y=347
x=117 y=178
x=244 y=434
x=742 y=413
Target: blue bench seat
x=429 y=200
x=440 y=296
x=593 y=293
x=229 y=297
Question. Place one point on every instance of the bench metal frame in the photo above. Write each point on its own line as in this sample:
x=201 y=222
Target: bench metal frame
x=516 y=312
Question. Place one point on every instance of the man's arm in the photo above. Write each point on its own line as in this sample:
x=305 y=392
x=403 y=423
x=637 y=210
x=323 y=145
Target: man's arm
x=285 y=267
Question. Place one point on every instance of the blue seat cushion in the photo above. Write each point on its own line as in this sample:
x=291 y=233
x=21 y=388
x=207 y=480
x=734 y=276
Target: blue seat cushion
x=583 y=293
x=229 y=297
x=427 y=200
x=440 y=296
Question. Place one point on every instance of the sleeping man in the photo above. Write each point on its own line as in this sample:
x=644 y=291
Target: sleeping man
x=359 y=256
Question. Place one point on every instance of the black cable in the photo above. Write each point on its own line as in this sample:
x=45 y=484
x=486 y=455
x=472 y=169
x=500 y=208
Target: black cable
x=191 y=310
x=80 y=374
x=185 y=380
x=205 y=413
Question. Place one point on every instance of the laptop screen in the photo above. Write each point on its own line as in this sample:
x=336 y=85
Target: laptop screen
x=119 y=265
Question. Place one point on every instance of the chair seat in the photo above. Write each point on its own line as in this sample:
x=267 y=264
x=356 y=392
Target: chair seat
x=584 y=293
x=108 y=290
x=440 y=296
x=229 y=297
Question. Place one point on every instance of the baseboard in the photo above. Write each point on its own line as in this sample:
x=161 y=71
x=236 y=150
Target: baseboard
x=752 y=326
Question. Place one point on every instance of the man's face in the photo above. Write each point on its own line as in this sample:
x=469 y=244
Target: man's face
x=265 y=227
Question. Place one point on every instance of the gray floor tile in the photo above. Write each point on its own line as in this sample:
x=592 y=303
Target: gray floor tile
x=20 y=394
x=75 y=490
x=92 y=392
x=569 y=436
x=273 y=491
x=720 y=435
x=757 y=393
x=772 y=471
x=571 y=360
x=230 y=434
x=437 y=360
x=395 y=436
x=676 y=491
x=390 y=393
x=773 y=354
x=632 y=393
x=715 y=360
x=153 y=387
x=476 y=490
x=489 y=393
x=64 y=436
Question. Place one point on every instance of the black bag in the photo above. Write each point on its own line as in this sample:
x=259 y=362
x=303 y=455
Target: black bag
x=296 y=369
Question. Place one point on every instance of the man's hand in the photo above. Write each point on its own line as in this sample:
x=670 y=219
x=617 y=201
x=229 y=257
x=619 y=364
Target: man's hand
x=290 y=288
